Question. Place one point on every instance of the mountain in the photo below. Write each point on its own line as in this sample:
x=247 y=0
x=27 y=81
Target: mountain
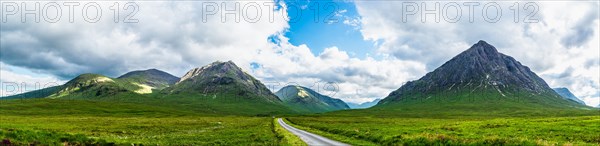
x=83 y=86
x=220 y=88
x=224 y=87
x=364 y=105
x=90 y=85
x=45 y=92
x=222 y=77
x=150 y=79
x=305 y=99
x=565 y=93
x=478 y=79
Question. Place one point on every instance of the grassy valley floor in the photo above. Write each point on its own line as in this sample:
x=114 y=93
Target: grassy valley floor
x=76 y=122
x=138 y=130
x=56 y=122
x=581 y=130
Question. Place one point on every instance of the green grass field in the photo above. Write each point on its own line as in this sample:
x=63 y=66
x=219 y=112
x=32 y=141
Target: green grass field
x=460 y=119
x=139 y=130
x=581 y=130
x=53 y=122
x=153 y=120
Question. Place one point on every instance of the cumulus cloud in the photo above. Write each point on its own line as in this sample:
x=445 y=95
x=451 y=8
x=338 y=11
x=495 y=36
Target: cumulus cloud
x=169 y=35
x=420 y=37
x=332 y=72
x=582 y=31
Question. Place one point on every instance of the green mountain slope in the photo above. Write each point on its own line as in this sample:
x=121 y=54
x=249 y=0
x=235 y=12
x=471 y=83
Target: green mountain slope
x=479 y=79
x=35 y=94
x=152 y=78
x=87 y=86
x=304 y=99
x=225 y=87
x=94 y=86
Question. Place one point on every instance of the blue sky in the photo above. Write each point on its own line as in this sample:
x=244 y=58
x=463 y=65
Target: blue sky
x=321 y=25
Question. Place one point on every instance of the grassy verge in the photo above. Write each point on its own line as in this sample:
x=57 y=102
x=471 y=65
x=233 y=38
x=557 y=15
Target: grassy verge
x=286 y=137
x=333 y=136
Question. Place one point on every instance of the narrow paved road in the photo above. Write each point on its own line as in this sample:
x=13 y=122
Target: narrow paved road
x=309 y=138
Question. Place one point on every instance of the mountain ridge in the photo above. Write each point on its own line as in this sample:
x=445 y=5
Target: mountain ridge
x=149 y=80
x=363 y=105
x=305 y=99
x=221 y=88
x=566 y=93
x=90 y=85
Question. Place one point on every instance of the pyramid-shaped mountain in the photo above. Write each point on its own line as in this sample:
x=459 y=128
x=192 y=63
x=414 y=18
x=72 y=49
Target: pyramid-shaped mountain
x=222 y=78
x=304 y=99
x=479 y=76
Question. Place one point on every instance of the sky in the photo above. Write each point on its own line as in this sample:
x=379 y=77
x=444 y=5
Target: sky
x=356 y=51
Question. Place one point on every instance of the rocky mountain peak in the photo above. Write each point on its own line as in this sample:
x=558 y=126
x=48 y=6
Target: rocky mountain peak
x=480 y=66
x=222 y=77
x=218 y=68
x=484 y=44
x=482 y=48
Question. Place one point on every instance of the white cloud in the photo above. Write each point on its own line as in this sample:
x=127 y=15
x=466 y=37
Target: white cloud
x=357 y=80
x=591 y=101
x=170 y=36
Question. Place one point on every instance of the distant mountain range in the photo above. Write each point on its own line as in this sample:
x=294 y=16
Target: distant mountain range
x=364 y=105
x=219 y=87
x=479 y=78
x=565 y=93
x=305 y=99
